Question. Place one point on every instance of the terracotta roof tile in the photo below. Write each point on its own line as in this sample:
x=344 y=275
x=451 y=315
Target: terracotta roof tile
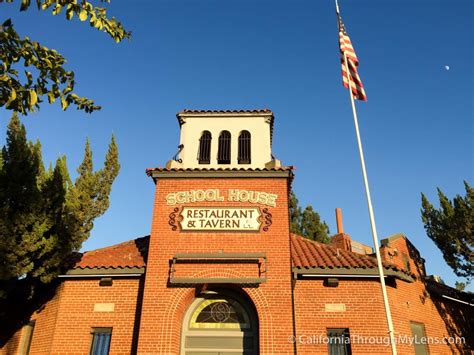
x=307 y=254
x=132 y=253
x=265 y=110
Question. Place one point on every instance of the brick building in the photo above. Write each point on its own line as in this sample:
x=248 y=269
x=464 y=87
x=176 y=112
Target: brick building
x=221 y=273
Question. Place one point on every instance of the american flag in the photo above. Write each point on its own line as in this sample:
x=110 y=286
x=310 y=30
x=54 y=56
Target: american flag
x=345 y=46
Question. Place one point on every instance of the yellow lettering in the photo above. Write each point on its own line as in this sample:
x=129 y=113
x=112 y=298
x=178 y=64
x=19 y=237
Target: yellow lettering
x=271 y=201
x=233 y=195
x=199 y=195
x=181 y=197
x=262 y=198
x=171 y=199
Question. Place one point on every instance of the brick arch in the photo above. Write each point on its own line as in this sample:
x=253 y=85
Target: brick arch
x=179 y=302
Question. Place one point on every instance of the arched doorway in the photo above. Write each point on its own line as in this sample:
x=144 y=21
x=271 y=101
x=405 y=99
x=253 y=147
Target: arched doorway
x=220 y=322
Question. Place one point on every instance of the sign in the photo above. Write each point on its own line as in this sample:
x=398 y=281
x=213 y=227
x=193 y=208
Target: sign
x=220 y=219
x=211 y=195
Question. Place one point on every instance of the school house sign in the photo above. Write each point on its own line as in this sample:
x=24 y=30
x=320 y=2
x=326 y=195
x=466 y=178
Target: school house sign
x=208 y=219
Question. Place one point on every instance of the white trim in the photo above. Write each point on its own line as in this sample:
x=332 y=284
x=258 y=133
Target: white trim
x=97 y=275
x=341 y=275
x=456 y=300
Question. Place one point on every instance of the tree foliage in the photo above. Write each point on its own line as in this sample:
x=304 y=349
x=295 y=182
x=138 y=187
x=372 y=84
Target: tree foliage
x=451 y=228
x=45 y=75
x=44 y=215
x=307 y=223
x=460 y=286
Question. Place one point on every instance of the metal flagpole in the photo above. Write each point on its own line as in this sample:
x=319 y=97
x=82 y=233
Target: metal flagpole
x=371 y=215
x=371 y=212
x=372 y=219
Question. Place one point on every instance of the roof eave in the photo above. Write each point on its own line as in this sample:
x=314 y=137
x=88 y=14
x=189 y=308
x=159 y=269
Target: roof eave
x=104 y=271
x=220 y=174
x=350 y=272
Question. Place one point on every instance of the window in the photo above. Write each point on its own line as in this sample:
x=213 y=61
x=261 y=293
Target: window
x=223 y=153
x=244 y=148
x=204 y=155
x=339 y=342
x=101 y=341
x=418 y=333
x=220 y=314
x=27 y=337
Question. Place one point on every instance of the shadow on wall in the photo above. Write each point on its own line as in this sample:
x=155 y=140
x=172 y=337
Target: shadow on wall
x=24 y=298
x=457 y=316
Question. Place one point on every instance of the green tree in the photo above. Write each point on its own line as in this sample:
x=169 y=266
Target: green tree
x=29 y=71
x=295 y=214
x=460 y=286
x=312 y=227
x=307 y=223
x=44 y=216
x=451 y=227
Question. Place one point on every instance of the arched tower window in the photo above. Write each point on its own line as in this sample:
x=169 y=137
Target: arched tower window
x=205 y=148
x=223 y=153
x=244 y=148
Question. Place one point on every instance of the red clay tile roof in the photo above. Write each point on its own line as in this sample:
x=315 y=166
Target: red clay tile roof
x=128 y=254
x=282 y=168
x=265 y=110
x=307 y=254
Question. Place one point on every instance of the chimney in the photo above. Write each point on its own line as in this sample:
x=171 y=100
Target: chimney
x=341 y=240
x=340 y=228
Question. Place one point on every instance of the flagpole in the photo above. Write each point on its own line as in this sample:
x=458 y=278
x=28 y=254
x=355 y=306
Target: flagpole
x=371 y=212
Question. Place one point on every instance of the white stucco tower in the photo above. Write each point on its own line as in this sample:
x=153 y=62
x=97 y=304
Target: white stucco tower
x=225 y=140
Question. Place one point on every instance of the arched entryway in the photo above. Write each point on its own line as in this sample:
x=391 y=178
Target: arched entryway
x=220 y=322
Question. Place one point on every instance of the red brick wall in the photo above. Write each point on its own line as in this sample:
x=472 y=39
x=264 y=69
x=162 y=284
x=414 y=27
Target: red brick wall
x=76 y=315
x=164 y=307
x=365 y=316
x=45 y=319
x=401 y=253
x=13 y=344
x=364 y=313
x=64 y=324
x=45 y=325
x=411 y=302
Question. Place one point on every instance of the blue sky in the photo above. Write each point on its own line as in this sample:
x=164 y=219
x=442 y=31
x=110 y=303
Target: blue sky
x=417 y=126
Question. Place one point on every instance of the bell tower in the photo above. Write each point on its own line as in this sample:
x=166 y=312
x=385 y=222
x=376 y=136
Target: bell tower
x=225 y=140
x=220 y=242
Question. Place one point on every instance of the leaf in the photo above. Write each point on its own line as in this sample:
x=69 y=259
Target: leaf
x=69 y=13
x=67 y=90
x=98 y=24
x=33 y=98
x=57 y=9
x=12 y=97
x=29 y=77
x=51 y=97
x=7 y=23
x=83 y=15
x=25 y=4
x=64 y=103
